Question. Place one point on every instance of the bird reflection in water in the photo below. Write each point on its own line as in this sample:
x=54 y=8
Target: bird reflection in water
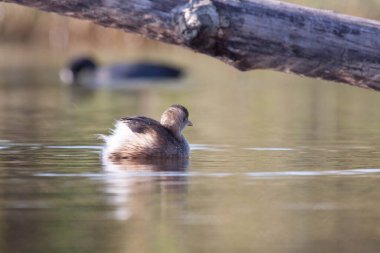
x=130 y=182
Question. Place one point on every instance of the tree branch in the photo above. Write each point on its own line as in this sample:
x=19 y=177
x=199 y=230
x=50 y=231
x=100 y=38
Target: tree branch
x=248 y=34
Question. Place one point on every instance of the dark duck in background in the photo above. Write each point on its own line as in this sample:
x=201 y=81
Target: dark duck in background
x=85 y=72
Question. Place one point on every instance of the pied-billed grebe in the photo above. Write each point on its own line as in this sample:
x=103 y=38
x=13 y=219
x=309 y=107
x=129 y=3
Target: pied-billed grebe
x=142 y=137
x=84 y=71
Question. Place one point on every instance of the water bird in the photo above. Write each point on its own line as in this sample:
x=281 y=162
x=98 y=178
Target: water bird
x=85 y=71
x=141 y=137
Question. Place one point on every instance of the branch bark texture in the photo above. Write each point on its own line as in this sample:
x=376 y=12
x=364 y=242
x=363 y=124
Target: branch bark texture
x=248 y=34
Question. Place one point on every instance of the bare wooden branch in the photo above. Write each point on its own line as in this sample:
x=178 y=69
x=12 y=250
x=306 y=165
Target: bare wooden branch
x=248 y=34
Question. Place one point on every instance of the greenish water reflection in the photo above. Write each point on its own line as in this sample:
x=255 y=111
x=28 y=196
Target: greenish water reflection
x=279 y=164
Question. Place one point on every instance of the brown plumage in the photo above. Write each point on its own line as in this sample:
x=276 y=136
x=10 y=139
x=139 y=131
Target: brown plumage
x=142 y=137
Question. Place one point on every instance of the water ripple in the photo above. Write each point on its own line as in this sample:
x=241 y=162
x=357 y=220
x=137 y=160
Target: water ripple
x=270 y=149
x=74 y=147
x=206 y=147
x=311 y=173
x=274 y=174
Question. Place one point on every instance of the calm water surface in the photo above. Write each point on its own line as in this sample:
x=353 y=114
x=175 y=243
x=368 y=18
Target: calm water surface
x=278 y=164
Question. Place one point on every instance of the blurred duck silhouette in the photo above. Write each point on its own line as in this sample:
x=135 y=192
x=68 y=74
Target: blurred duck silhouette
x=84 y=71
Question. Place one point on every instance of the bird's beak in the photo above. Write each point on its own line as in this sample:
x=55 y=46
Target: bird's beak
x=189 y=123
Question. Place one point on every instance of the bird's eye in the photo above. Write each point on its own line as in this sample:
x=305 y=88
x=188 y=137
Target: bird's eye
x=184 y=119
